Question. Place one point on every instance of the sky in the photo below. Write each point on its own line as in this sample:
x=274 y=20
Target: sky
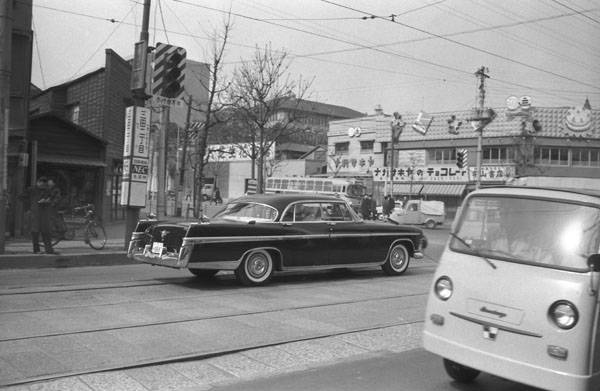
x=406 y=56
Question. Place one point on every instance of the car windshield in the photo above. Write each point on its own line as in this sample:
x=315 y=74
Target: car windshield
x=356 y=191
x=247 y=211
x=545 y=232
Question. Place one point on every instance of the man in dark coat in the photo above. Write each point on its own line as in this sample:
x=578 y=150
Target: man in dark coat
x=373 y=208
x=39 y=200
x=365 y=207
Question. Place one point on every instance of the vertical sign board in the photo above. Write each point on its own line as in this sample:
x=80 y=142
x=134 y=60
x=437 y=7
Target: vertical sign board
x=135 y=156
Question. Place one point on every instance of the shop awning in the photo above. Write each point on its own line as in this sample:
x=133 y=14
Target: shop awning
x=406 y=188
x=70 y=161
x=444 y=189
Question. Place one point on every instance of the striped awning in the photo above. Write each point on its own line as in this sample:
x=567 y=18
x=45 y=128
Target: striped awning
x=406 y=188
x=444 y=189
x=441 y=189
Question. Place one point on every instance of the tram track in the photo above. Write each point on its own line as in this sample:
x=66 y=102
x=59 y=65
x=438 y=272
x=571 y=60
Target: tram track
x=203 y=318
x=207 y=355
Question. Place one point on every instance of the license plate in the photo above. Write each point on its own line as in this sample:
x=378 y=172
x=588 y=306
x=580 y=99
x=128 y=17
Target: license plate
x=157 y=247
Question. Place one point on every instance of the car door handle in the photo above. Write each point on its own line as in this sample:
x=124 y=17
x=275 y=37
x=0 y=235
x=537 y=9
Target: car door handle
x=286 y=224
x=331 y=223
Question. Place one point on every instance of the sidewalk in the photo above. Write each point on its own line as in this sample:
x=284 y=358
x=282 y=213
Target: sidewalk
x=18 y=253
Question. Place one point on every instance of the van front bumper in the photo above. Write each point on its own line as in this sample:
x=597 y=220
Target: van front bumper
x=507 y=368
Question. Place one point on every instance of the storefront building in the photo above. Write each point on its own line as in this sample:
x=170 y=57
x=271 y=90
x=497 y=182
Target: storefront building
x=550 y=145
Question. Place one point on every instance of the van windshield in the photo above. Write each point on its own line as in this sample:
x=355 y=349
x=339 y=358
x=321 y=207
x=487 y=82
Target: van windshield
x=535 y=231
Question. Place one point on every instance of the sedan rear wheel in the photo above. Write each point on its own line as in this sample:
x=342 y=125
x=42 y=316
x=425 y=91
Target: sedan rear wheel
x=256 y=268
x=397 y=261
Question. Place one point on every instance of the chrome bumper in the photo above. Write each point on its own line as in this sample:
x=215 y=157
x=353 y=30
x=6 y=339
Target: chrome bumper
x=145 y=255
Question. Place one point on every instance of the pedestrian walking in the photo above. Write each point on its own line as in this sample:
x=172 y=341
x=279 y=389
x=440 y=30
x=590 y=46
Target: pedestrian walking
x=218 y=199
x=365 y=207
x=56 y=223
x=373 y=208
x=38 y=198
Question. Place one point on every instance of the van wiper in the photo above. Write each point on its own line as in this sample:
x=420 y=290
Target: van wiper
x=475 y=251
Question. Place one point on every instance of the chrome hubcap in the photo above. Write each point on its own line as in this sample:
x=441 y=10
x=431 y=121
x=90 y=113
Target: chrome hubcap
x=397 y=259
x=257 y=266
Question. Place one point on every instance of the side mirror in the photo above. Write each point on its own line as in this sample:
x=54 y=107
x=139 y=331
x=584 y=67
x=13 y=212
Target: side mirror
x=593 y=262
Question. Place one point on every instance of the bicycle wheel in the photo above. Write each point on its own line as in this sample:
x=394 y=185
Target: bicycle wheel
x=95 y=235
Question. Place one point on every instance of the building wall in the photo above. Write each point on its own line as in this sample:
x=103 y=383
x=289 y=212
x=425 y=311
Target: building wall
x=238 y=172
x=417 y=150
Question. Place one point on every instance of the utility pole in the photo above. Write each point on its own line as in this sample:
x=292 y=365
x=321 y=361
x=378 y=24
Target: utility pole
x=481 y=119
x=161 y=188
x=138 y=83
x=397 y=126
x=181 y=185
x=6 y=19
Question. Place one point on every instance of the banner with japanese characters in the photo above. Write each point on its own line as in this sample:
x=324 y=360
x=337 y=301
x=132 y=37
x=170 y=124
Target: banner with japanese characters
x=442 y=173
x=135 y=156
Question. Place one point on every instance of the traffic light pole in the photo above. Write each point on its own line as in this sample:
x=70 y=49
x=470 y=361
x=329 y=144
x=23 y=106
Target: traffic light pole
x=132 y=213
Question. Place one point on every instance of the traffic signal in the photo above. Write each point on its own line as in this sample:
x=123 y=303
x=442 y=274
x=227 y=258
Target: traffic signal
x=168 y=74
x=171 y=76
x=462 y=158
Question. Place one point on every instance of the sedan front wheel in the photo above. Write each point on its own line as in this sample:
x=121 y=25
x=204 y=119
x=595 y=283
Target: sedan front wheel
x=255 y=269
x=397 y=261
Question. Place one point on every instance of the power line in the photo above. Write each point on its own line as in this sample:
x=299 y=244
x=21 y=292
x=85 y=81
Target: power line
x=103 y=42
x=162 y=18
x=578 y=12
x=466 y=45
x=37 y=48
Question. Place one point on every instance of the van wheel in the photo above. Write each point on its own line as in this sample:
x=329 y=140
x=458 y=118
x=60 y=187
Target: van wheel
x=460 y=373
x=397 y=261
x=256 y=268
x=430 y=224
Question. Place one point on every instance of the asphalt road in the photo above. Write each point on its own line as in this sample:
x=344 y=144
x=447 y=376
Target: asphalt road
x=62 y=326
x=412 y=370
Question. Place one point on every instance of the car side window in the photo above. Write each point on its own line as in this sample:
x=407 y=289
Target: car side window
x=336 y=211
x=307 y=212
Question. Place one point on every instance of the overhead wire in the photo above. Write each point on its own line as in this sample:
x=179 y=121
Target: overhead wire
x=472 y=47
x=579 y=12
x=162 y=18
x=37 y=49
x=103 y=42
x=537 y=46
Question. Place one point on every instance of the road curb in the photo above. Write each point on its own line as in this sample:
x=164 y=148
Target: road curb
x=32 y=261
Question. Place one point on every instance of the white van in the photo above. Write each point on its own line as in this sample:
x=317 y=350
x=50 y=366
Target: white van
x=516 y=290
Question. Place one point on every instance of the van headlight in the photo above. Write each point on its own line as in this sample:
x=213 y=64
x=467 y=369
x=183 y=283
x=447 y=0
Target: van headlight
x=443 y=288
x=564 y=314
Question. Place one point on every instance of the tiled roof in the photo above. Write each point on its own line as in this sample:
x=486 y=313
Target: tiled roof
x=321 y=108
x=551 y=119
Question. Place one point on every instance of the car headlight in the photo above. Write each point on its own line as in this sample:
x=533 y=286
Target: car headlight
x=443 y=288
x=564 y=314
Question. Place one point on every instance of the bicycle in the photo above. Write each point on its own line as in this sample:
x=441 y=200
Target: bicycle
x=81 y=218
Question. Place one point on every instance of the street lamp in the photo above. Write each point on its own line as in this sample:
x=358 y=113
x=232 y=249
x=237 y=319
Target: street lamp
x=397 y=126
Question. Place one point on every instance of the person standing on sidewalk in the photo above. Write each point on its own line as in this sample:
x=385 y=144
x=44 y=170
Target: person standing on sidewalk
x=38 y=198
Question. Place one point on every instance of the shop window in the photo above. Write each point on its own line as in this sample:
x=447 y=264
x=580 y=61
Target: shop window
x=497 y=155
x=366 y=146
x=442 y=156
x=342 y=148
x=580 y=157
x=552 y=156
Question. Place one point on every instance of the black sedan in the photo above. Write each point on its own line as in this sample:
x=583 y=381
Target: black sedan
x=257 y=235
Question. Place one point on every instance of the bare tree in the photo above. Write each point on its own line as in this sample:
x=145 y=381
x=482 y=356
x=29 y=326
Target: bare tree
x=215 y=109
x=266 y=100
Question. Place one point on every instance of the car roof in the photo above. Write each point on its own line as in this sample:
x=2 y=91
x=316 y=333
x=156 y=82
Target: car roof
x=280 y=201
x=581 y=195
